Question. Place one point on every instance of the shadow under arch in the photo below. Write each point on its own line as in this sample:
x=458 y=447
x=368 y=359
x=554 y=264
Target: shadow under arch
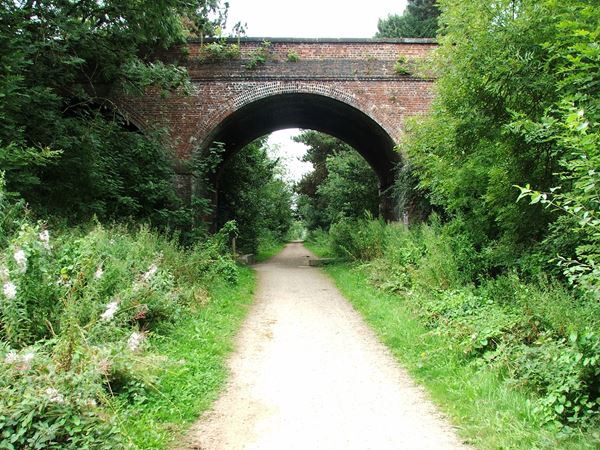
x=316 y=112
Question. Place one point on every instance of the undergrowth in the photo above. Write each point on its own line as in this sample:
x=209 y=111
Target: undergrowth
x=95 y=322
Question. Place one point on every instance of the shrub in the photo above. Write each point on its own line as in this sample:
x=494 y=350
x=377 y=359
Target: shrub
x=43 y=407
x=361 y=240
x=293 y=56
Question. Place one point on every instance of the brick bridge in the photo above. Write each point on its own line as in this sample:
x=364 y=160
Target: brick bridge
x=353 y=89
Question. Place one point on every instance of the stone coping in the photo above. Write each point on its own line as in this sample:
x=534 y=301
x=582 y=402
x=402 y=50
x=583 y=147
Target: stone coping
x=275 y=40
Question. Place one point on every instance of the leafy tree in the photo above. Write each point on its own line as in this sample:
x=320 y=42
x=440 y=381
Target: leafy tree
x=252 y=192
x=350 y=189
x=419 y=20
x=463 y=153
x=572 y=127
x=342 y=184
x=64 y=145
x=497 y=66
x=312 y=206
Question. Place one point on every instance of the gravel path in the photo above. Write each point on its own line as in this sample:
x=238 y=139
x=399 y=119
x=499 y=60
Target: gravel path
x=309 y=374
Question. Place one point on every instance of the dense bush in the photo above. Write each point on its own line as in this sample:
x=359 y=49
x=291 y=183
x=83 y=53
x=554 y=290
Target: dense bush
x=510 y=74
x=76 y=309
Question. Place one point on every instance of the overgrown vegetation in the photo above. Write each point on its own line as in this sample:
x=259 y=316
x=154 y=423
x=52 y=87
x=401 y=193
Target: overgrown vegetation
x=253 y=192
x=64 y=143
x=83 y=314
x=259 y=56
x=517 y=105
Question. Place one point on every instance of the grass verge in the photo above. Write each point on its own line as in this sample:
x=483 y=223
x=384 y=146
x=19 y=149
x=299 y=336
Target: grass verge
x=268 y=249
x=193 y=355
x=489 y=413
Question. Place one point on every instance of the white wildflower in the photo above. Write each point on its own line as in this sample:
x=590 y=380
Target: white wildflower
x=111 y=309
x=26 y=360
x=64 y=281
x=21 y=260
x=11 y=357
x=4 y=274
x=45 y=238
x=9 y=290
x=151 y=271
x=54 y=396
x=28 y=357
x=135 y=340
x=99 y=272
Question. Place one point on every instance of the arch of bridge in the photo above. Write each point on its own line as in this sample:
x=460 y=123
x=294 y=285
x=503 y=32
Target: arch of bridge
x=317 y=106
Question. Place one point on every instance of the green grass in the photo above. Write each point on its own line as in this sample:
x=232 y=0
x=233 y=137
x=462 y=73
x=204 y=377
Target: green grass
x=318 y=243
x=194 y=357
x=267 y=249
x=487 y=412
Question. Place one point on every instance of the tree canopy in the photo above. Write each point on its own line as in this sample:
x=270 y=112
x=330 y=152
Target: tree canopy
x=517 y=104
x=419 y=20
x=65 y=146
x=342 y=183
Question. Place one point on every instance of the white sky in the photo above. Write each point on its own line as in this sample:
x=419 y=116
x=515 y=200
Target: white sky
x=312 y=19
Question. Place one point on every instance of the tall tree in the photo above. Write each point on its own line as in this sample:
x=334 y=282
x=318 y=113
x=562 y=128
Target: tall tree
x=342 y=184
x=252 y=192
x=419 y=20
x=499 y=63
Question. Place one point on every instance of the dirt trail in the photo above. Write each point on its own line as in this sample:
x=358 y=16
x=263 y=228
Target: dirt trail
x=309 y=374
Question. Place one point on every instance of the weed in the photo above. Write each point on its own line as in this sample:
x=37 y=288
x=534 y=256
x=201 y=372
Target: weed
x=292 y=56
x=400 y=66
x=259 y=56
